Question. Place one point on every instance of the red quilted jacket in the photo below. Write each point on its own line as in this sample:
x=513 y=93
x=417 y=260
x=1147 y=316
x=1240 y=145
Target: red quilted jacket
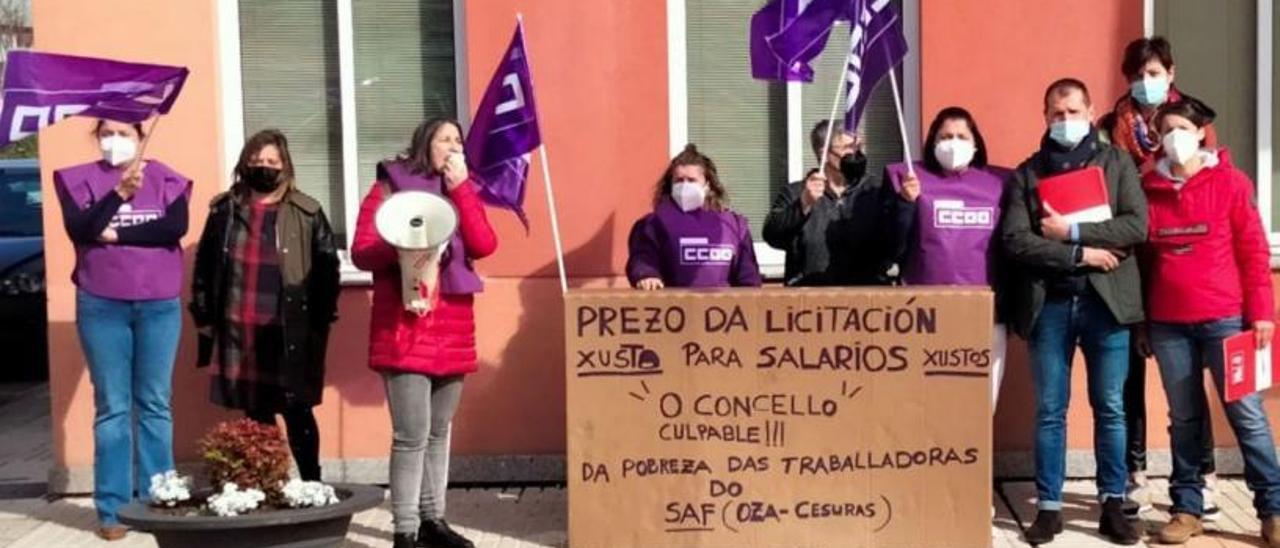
x=443 y=342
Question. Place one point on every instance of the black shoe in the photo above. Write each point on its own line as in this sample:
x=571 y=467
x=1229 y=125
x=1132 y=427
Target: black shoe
x=1047 y=524
x=437 y=534
x=1114 y=525
x=402 y=540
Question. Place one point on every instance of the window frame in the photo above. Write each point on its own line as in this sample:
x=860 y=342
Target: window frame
x=773 y=261
x=228 y=24
x=1265 y=72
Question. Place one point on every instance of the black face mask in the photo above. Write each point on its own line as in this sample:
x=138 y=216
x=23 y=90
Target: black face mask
x=261 y=178
x=853 y=167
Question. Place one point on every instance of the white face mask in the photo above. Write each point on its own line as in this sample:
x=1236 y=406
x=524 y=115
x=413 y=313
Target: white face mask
x=117 y=150
x=689 y=195
x=954 y=154
x=1180 y=145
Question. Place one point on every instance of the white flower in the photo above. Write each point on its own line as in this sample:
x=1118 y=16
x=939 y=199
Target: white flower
x=232 y=501
x=308 y=494
x=169 y=488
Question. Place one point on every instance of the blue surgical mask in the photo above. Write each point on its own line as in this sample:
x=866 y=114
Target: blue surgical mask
x=1069 y=133
x=1150 y=92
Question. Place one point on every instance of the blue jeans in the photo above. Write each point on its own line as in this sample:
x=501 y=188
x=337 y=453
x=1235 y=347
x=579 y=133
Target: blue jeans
x=130 y=347
x=1183 y=351
x=1061 y=325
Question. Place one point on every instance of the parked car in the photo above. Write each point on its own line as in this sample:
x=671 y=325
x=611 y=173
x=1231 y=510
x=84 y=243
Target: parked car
x=23 y=324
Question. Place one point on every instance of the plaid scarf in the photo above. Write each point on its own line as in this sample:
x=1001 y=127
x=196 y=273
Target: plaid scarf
x=254 y=333
x=1133 y=132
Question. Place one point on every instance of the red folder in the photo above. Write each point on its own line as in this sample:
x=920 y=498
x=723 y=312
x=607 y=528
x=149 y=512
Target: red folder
x=1080 y=196
x=1245 y=370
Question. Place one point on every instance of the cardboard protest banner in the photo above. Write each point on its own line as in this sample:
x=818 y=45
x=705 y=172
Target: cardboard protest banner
x=779 y=417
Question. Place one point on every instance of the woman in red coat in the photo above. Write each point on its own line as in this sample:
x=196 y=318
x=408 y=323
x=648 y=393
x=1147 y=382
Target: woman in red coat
x=423 y=359
x=1208 y=278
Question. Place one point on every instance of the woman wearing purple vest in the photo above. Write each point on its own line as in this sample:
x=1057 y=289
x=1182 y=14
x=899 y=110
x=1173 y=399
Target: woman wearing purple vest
x=126 y=217
x=691 y=239
x=946 y=214
x=263 y=293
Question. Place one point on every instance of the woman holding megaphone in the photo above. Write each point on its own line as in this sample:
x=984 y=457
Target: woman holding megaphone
x=264 y=292
x=423 y=353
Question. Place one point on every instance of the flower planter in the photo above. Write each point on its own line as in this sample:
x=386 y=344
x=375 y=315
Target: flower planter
x=294 y=528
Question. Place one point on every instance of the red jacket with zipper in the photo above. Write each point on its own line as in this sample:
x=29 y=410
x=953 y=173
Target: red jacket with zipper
x=1207 y=256
x=443 y=342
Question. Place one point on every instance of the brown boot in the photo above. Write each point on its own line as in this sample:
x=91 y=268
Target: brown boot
x=1271 y=531
x=112 y=532
x=1180 y=529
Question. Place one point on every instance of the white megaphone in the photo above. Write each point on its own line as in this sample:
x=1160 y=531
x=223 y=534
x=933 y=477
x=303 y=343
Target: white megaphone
x=419 y=225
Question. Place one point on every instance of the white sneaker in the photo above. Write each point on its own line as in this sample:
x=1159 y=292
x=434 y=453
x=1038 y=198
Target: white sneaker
x=1210 y=493
x=1137 y=498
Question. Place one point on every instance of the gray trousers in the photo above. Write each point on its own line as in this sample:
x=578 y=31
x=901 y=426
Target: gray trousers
x=421 y=410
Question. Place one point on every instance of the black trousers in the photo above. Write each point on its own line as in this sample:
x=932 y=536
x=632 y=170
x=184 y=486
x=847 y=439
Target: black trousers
x=304 y=437
x=1135 y=417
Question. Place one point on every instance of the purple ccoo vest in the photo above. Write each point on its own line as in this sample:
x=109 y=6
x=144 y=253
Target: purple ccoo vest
x=956 y=218
x=456 y=274
x=123 y=272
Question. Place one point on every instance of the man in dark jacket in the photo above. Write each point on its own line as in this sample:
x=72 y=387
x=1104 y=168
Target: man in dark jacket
x=829 y=224
x=1076 y=283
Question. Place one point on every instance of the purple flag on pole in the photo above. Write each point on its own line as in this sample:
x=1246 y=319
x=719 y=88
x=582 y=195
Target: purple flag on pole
x=505 y=131
x=878 y=45
x=787 y=34
x=774 y=17
x=43 y=88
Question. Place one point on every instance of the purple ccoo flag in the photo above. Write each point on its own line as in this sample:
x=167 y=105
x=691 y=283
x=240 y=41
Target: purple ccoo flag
x=43 y=88
x=787 y=34
x=877 y=47
x=505 y=131
x=773 y=18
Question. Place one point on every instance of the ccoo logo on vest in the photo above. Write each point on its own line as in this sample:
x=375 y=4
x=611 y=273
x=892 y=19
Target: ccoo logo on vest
x=701 y=252
x=126 y=216
x=953 y=214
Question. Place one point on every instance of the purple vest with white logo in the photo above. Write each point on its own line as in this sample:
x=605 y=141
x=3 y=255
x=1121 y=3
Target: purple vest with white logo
x=126 y=272
x=700 y=248
x=956 y=218
x=456 y=275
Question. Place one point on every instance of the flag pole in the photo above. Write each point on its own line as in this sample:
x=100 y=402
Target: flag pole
x=146 y=139
x=546 y=177
x=835 y=103
x=902 y=124
x=555 y=225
